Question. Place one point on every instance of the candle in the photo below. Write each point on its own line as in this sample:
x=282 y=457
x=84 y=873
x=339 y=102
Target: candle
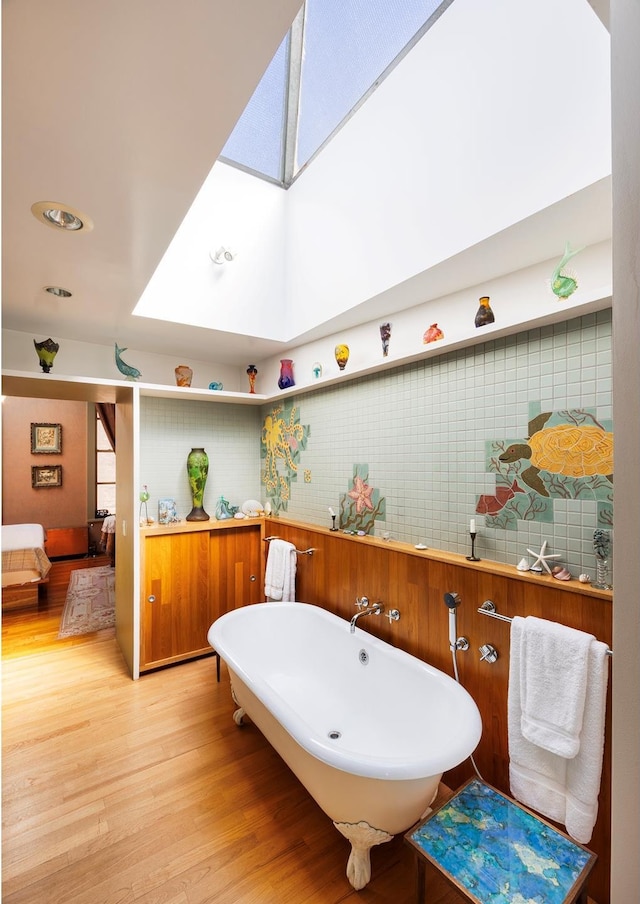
x=331 y=512
x=472 y=526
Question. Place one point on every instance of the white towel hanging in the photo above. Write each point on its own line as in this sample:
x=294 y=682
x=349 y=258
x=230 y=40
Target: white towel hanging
x=280 y=573
x=560 y=788
x=553 y=680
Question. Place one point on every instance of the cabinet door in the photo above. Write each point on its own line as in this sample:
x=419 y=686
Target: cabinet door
x=176 y=598
x=235 y=576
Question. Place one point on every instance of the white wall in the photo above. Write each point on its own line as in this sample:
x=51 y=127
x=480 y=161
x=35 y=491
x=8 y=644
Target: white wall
x=85 y=359
x=499 y=111
x=625 y=825
x=520 y=300
x=246 y=295
x=482 y=124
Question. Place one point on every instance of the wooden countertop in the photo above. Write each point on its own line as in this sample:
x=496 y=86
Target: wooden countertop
x=187 y=527
x=488 y=566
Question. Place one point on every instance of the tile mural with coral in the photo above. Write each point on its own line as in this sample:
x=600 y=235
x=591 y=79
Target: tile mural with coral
x=362 y=504
x=566 y=454
x=282 y=440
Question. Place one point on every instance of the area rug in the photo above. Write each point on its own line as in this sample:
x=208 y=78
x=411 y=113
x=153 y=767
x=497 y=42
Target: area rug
x=90 y=603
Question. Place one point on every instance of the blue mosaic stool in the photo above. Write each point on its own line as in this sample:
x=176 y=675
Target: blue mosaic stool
x=494 y=851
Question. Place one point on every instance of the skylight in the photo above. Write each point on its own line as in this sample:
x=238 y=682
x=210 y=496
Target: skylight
x=335 y=55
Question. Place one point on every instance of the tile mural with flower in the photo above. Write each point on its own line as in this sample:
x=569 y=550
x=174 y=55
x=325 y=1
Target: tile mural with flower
x=362 y=504
x=283 y=438
x=567 y=454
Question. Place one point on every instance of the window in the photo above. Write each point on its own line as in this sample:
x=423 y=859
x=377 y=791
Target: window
x=105 y=470
x=336 y=53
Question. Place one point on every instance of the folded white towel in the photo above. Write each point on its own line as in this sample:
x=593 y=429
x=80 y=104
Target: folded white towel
x=564 y=790
x=280 y=573
x=553 y=681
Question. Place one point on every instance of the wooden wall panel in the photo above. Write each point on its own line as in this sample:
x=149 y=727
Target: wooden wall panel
x=345 y=567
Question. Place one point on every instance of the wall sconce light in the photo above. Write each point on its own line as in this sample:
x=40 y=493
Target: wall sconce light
x=222 y=255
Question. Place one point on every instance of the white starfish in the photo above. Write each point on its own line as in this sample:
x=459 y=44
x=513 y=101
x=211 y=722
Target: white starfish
x=542 y=558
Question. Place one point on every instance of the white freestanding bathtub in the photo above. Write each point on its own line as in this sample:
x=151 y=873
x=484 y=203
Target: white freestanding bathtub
x=367 y=728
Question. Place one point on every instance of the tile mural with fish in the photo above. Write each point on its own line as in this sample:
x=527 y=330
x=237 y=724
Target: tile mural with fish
x=282 y=440
x=566 y=454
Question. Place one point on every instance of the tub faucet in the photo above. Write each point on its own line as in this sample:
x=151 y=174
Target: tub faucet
x=374 y=609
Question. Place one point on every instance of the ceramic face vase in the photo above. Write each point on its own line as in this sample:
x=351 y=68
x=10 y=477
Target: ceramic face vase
x=197 y=471
x=184 y=375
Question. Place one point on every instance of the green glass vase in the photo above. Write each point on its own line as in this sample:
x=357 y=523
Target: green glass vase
x=197 y=470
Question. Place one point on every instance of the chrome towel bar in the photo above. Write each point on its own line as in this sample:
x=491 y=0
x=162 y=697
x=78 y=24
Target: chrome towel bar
x=489 y=608
x=301 y=552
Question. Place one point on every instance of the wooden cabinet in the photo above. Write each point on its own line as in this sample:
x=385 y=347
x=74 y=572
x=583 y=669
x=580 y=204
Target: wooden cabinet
x=65 y=542
x=190 y=576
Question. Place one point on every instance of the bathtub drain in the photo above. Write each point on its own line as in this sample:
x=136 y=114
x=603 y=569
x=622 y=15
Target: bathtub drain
x=334 y=735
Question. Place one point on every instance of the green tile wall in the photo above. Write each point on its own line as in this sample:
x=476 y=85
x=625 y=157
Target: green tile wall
x=423 y=428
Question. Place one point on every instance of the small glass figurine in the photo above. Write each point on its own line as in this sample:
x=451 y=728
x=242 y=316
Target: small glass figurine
x=564 y=282
x=385 y=335
x=144 y=498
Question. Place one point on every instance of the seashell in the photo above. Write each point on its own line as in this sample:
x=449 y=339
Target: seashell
x=561 y=573
x=523 y=565
x=584 y=578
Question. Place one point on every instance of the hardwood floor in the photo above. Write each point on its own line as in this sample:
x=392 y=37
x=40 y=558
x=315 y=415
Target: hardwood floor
x=34 y=629
x=146 y=792
x=117 y=791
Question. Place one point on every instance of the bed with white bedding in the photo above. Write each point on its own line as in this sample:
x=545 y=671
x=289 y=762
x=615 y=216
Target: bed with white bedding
x=24 y=561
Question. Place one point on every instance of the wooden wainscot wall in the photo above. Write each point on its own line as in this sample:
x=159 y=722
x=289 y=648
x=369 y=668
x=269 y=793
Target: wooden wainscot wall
x=344 y=567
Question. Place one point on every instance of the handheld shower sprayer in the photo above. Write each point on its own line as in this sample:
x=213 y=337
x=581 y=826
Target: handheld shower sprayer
x=452 y=601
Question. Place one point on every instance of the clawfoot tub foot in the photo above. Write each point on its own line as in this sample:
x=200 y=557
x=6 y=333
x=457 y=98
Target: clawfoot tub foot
x=239 y=714
x=362 y=837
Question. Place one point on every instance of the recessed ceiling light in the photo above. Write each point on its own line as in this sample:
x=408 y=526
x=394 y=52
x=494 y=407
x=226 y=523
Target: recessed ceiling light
x=60 y=216
x=59 y=291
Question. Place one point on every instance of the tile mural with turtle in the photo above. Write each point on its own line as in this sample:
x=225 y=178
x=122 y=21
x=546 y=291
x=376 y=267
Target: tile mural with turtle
x=567 y=454
x=282 y=440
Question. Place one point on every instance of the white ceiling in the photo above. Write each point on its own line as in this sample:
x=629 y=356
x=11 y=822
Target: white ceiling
x=119 y=109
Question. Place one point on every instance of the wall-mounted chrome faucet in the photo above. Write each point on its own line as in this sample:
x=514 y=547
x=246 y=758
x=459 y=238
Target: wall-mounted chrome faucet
x=362 y=604
x=488 y=653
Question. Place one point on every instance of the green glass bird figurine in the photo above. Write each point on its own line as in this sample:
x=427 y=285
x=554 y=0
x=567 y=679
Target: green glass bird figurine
x=564 y=284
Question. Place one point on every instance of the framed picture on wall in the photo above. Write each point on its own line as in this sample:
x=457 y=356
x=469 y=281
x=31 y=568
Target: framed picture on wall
x=46 y=476
x=46 y=438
